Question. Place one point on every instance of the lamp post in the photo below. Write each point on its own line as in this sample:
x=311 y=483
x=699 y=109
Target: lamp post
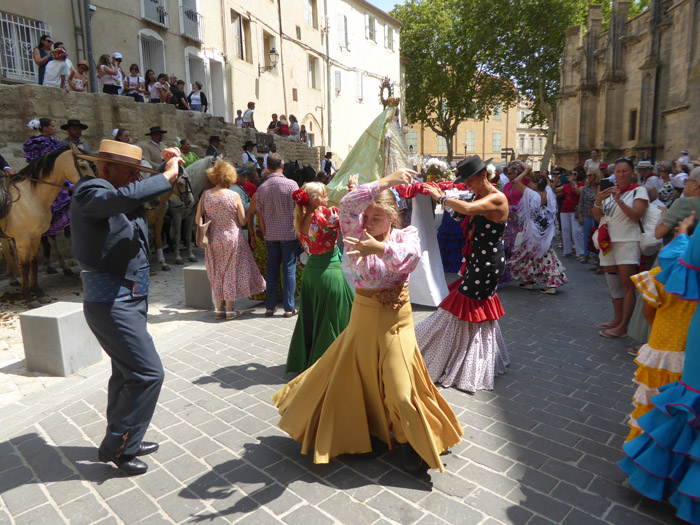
x=274 y=58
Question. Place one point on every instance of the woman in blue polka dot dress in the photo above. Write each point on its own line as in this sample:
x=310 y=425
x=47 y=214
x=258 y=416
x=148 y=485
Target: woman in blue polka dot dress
x=461 y=342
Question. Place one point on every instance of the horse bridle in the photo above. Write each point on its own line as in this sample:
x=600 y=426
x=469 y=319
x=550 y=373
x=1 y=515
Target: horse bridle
x=188 y=189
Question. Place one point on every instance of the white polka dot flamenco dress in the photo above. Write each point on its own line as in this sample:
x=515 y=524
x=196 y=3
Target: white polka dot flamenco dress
x=461 y=342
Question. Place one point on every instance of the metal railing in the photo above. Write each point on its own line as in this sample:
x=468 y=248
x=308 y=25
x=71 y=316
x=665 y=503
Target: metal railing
x=18 y=37
x=155 y=11
x=191 y=23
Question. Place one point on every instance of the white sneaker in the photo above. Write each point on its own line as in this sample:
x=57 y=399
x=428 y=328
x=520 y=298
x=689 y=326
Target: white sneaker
x=549 y=291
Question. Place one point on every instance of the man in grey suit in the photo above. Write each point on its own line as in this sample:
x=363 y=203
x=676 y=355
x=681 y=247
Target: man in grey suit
x=110 y=241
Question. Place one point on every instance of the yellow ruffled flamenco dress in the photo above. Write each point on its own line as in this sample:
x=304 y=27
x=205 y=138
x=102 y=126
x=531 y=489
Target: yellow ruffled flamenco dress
x=660 y=361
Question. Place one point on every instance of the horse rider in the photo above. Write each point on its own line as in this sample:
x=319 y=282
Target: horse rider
x=153 y=152
x=110 y=242
x=75 y=133
x=213 y=149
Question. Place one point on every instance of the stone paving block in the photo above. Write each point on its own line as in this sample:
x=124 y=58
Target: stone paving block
x=555 y=450
x=259 y=517
x=492 y=481
x=184 y=506
x=67 y=490
x=115 y=485
x=620 y=494
x=616 y=416
x=65 y=433
x=183 y=433
x=395 y=508
x=307 y=515
x=506 y=433
x=556 y=434
x=202 y=447
x=600 y=451
x=602 y=468
x=496 y=507
x=185 y=467
x=567 y=472
x=540 y=520
x=251 y=425
x=530 y=477
x=43 y=514
x=593 y=503
x=284 y=471
x=157 y=483
x=430 y=519
x=591 y=432
x=475 y=420
x=168 y=451
x=540 y=503
x=549 y=418
x=452 y=484
x=412 y=488
x=619 y=515
x=23 y=497
x=578 y=517
x=523 y=455
x=247 y=478
x=276 y=498
x=311 y=489
x=132 y=506
x=660 y=510
x=532 y=401
x=214 y=427
x=347 y=510
x=353 y=484
x=261 y=456
x=84 y=511
x=483 y=457
x=154 y=519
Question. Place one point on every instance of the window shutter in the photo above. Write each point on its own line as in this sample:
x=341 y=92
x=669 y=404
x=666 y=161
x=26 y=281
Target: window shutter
x=341 y=30
x=386 y=36
x=366 y=25
x=338 y=86
x=307 y=12
x=347 y=32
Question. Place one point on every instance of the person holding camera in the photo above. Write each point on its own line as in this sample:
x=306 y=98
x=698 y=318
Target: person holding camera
x=619 y=208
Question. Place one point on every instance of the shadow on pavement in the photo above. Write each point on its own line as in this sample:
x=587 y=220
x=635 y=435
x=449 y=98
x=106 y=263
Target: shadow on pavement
x=240 y=377
x=240 y=486
x=48 y=463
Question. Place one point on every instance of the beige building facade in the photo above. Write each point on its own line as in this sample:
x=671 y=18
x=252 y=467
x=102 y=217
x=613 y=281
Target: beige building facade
x=633 y=87
x=486 y=137
x=287 y=56
x=530 y=142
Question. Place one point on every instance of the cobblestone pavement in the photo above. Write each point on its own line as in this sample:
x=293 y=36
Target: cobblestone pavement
x=541 y=448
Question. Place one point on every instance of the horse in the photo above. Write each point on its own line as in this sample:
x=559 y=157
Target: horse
x=31 y=192
x=156 y=215
x=9 y=252
x=299 y=174
x=197 y=174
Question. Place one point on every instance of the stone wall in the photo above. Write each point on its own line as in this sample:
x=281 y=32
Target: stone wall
x=633 y=87
x=102 y=113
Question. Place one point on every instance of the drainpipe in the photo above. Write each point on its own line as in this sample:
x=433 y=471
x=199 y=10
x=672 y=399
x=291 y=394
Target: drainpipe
x=328 y=74
x=88 y=44
x=281 y=64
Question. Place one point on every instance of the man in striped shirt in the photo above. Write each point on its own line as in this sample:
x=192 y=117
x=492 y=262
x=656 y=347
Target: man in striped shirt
x=273 y=201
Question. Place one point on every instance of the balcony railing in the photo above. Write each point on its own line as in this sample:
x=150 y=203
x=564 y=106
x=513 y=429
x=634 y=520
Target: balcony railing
x=191 y=23
x=155 y=11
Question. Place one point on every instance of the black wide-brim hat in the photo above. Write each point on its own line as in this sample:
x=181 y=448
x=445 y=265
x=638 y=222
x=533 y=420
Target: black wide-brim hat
x=249 y=143
x=470 y=167
x=155 y=129
x=214 y=137
x=74 y=122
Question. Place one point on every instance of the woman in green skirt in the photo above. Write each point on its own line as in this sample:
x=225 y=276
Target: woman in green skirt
x=326 y=297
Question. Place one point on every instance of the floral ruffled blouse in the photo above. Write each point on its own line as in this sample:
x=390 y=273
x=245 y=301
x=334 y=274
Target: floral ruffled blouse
x=323 y=231
x=401 y=252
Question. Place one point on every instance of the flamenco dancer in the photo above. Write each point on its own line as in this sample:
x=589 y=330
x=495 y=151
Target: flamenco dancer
x=663 y=461
x=461 y=342
x=372 y=382
x=326 y=297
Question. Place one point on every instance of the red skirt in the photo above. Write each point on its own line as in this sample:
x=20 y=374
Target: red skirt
x=471 y=310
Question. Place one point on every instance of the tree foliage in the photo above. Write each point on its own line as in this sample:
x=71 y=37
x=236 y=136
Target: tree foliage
x=448 y=77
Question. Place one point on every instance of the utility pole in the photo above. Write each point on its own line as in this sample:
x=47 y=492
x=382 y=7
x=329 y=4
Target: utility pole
x=328 y=74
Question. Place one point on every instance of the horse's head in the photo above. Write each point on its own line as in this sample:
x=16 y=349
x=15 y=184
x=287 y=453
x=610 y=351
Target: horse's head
x=183 y=190
x=71 y=167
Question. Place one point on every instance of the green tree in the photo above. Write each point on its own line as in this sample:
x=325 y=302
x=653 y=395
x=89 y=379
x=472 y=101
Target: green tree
x=449 y=78
x=528 y=40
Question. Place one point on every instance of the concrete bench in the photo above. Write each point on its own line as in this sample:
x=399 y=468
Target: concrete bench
x=197 y=287
x=57 y=339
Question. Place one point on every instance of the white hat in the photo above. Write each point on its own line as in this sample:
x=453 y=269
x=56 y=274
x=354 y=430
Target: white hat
x=117 y=55
x=684 y=151
x=644 y=164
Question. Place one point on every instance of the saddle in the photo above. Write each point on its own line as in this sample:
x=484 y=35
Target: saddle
x=5 y=201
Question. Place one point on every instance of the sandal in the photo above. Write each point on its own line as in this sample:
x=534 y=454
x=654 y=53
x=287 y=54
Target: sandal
x=270 y=313
x=609 y=335
x=634 y=352
x=219 y=314
x=291 y=314
x=605 y=326
x=527 y=286
x=233 y=315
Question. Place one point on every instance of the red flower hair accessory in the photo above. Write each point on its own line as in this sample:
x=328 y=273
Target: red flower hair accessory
x=300 y=197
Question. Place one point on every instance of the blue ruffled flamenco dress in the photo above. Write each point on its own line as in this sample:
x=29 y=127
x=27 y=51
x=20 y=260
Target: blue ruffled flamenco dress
x=664 y=461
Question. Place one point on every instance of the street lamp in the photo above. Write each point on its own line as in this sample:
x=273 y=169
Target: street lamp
x=274 y=57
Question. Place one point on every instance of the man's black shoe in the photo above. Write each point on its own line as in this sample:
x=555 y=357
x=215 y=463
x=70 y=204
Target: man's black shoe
x=410 y=459
x=129 y=464
x=146 y=448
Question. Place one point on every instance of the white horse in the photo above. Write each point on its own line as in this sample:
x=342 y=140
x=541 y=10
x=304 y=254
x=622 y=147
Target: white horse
x=197 y=175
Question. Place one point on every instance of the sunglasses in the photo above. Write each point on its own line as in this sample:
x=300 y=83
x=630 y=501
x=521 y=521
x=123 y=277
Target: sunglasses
x=623 y=159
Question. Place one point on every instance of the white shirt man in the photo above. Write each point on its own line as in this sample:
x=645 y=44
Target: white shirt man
x=684 y=159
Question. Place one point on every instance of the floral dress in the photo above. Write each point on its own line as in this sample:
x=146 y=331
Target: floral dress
x=326 y=297
x=230 y=266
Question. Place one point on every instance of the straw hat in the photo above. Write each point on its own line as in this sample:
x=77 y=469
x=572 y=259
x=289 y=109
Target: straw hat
x=116 y=152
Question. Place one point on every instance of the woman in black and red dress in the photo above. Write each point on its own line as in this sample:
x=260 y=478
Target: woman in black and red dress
x=461 y=342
